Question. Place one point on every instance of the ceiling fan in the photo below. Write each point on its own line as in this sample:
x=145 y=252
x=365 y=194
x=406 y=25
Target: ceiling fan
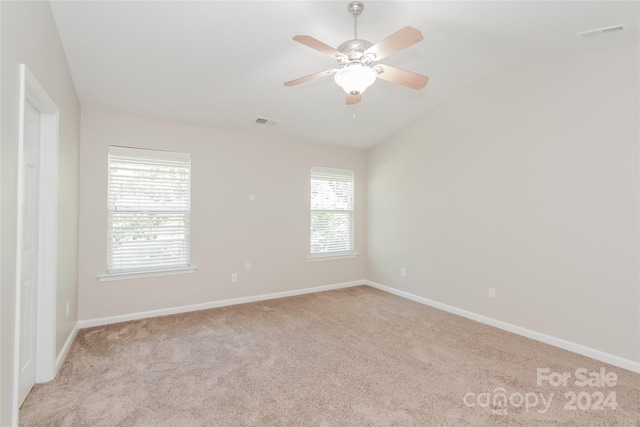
x=356 y=70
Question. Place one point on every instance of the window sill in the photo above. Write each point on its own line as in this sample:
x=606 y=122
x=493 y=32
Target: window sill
x=313 y=258
x=108 y=277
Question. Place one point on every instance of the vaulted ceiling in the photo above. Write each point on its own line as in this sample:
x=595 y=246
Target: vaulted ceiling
x=222 y=64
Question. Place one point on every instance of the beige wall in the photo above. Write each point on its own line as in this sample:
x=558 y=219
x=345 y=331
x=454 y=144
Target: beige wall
x=526 y=182
x=30 y=36
x=228 y=229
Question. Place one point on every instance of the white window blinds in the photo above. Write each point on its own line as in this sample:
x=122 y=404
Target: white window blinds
x=331 y=211
x=149 y=207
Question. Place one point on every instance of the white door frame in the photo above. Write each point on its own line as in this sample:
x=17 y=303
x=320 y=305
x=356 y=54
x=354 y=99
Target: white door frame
x=31 y=91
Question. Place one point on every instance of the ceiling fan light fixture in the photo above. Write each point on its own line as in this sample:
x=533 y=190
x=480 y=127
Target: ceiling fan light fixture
x=356 y=69
x=355 y=78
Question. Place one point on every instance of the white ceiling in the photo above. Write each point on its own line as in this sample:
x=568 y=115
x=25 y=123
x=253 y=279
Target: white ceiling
x=223 y=63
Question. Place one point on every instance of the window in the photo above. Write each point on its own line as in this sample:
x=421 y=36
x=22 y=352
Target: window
x=331 y=212
x=149 y=210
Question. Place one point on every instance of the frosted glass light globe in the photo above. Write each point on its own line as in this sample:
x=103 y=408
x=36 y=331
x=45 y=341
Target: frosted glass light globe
x=355 y=78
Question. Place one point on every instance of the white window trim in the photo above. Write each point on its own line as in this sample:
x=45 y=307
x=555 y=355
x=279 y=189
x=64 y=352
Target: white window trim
x=153 y=271
x=108 y=277
x=331 y=256
x=326 y=256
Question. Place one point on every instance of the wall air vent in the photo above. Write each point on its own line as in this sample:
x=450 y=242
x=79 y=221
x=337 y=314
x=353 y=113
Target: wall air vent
x=265 y=121
x=601 y=31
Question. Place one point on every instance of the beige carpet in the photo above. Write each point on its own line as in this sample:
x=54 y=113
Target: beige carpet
x=350 y=357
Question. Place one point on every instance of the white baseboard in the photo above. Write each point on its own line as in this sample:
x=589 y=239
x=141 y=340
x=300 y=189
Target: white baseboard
x=213 y=304
x=62 y=356
x=538 y=336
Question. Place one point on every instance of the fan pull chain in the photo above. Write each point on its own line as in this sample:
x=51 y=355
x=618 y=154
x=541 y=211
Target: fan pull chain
x=353 y=108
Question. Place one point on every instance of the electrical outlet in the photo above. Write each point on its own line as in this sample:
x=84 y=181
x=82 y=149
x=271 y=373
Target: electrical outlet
x=403 y=272
x=234 y=277
x=492 y=292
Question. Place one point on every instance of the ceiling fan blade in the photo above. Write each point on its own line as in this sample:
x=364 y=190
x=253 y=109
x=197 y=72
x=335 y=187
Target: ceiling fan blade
x=353 y=99
x=397 y=41
x=310 y=77
x=398 y=75
x=318 y=45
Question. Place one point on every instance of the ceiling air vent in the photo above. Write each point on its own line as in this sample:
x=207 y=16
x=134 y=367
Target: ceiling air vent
x=265 y=121
x=601 y=31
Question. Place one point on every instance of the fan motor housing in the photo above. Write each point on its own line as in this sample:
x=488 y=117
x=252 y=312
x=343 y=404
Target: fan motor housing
x=354 y=50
